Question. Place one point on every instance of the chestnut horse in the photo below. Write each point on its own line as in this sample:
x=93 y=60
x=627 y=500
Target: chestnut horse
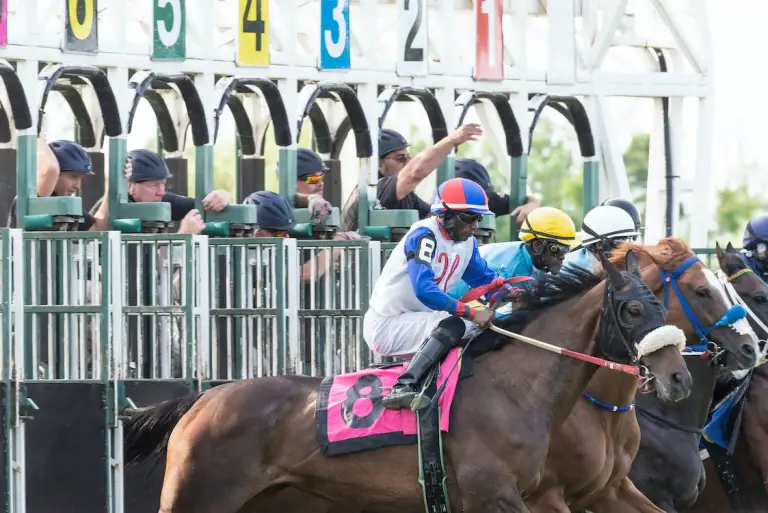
x=236 y=444
x=668 y=467
x=591 y=453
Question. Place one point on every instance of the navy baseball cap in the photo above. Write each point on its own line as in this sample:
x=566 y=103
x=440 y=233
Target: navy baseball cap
x=473 y=170
x=72 y=157
x=390 y=141
x=308 y=162
x=147 y=165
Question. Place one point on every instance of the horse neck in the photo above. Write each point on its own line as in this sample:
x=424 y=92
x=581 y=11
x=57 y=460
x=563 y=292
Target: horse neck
x=553 y=382
x=611 y=387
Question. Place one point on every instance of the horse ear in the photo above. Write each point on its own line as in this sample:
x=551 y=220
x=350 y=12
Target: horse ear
x=730 y=249
x=631 y=264
x=613 y=273
x=719 y=252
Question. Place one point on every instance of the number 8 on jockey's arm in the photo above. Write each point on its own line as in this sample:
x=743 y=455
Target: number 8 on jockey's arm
x=409 y=302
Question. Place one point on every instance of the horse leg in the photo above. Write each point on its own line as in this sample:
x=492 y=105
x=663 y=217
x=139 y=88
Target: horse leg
x=623 y=497
x=550 y=501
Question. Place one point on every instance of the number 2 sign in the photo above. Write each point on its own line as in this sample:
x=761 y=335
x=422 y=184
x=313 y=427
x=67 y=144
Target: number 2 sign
x=489 y=47
x=334 y=34
x=412 y=29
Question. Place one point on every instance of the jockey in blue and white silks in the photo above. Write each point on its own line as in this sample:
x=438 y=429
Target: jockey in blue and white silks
x=409 y=302
x=754 y=251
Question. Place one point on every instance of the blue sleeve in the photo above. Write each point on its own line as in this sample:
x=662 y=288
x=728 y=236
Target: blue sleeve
x=478 y=273
x=419 y=250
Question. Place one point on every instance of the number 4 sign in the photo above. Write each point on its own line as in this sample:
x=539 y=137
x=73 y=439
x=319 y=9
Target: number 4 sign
x=253 y=33
x=489 y=47
x=334 y=34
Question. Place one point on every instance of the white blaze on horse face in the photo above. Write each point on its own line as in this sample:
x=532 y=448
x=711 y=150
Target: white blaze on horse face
x=741 y=326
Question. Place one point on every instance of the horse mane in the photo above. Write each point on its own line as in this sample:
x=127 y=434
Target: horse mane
x=546 y=291
x=668 y=254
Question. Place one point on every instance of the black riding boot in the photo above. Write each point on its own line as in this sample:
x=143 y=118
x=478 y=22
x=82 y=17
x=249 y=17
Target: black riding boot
x=404 y=393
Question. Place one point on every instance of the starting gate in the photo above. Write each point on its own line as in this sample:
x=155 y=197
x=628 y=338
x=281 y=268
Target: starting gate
x=96 y=322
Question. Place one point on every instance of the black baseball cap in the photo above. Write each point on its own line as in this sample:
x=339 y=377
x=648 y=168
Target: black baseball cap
x=308 y=162
x=72 y=157
x=390 y=141
x=147 y=165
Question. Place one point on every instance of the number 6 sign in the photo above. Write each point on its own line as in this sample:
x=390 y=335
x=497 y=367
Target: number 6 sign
x=489 y=47
x=334 y=34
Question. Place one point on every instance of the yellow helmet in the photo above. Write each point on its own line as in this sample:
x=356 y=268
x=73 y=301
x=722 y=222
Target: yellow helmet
x=550 y=224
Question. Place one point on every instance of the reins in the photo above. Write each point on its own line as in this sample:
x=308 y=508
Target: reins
x=627 y=369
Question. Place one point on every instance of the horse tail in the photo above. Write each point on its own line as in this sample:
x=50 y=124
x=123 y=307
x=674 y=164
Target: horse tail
x=147 y=430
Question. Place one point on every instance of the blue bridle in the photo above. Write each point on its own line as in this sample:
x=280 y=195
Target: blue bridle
x=734 y=313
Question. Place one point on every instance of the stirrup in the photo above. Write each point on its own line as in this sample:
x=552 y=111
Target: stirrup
x=403 y=398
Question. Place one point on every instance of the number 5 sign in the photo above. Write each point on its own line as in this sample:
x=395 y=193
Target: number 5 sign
x=489 y=47
x=253 y=33
x=334 y=34
x=169 y=41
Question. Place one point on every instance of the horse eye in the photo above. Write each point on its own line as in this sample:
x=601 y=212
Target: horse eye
x=634 y=311
x=760 y=299
x=703 y=292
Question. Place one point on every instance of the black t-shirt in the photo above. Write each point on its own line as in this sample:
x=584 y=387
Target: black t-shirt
x=386 y=194
x=84 y=225
x=180 y=205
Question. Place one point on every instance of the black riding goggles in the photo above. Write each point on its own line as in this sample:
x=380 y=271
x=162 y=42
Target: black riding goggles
x=558 y=249
x=464 y=217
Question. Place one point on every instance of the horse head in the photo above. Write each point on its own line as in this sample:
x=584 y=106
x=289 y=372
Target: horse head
x=631 y=312
x=747 y=286
x=696 y=301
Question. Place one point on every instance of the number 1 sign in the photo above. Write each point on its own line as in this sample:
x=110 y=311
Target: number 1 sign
x=3 y=22
x=489 y=47
x=412 y=28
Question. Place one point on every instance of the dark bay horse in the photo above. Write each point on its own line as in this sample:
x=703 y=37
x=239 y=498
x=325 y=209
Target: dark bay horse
x=668 y=467
x=591 y=454
x=236 y=444
x=750 y=458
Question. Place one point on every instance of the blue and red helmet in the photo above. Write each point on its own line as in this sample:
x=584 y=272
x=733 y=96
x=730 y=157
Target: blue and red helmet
x=461 y=195
x=756 y=231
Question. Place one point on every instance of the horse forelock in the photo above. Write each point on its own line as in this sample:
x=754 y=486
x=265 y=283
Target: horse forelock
x=668 y=254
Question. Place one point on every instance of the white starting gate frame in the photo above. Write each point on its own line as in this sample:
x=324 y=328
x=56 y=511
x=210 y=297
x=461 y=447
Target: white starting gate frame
x=593 y=49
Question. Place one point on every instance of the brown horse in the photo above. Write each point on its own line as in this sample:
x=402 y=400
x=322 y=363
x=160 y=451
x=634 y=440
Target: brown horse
x=237 y=444
x=668 y=468
x=591 y=453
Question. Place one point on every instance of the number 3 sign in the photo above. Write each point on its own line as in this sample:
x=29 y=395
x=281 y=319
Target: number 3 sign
x=334 y=34
x=489 y=47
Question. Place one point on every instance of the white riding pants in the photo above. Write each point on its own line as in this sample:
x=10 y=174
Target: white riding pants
x=403 y=334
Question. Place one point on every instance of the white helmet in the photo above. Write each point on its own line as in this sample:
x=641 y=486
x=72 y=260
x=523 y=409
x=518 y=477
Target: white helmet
x=606 y=222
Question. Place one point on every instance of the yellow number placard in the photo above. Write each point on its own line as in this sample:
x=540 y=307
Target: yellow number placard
x=253 y=33
x=81 y=26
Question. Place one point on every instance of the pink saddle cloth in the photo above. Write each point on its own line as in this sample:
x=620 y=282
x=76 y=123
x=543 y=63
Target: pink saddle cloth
x=349 y=416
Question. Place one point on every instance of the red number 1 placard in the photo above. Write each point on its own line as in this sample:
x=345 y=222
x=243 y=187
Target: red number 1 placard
x=489 y=48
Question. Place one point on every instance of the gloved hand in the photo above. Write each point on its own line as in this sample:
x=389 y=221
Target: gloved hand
x=319 y=209
x=504 y=293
